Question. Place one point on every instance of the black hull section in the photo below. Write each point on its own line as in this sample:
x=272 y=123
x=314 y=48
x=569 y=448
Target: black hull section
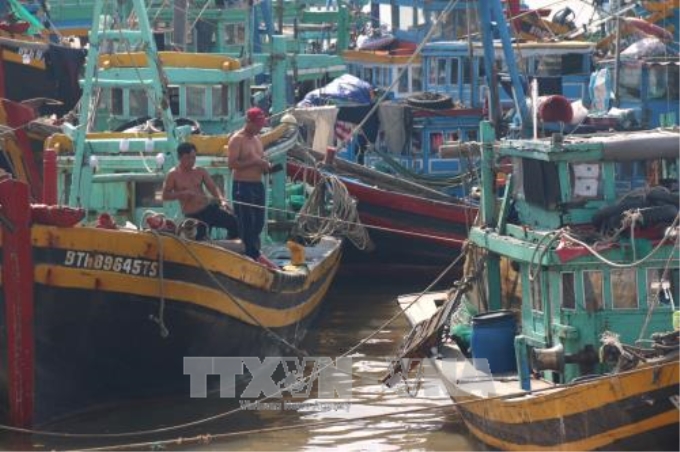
x=402 y=250
x=95 y=348
x=56 y=79
x=643 y=421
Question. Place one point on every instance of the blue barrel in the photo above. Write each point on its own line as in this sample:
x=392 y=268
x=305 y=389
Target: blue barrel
x=493 y=339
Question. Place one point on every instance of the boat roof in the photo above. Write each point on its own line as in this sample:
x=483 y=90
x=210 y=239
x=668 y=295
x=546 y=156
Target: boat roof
x=617 y=146
x=523 y=48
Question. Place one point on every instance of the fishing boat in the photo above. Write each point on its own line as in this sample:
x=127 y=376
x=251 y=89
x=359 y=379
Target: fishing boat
x=33 y=66
x=563 y=332
x=441 y=87
x=408 y=224
x=104 y=295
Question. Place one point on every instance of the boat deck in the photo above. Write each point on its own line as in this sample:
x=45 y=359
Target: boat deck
x=461 y=377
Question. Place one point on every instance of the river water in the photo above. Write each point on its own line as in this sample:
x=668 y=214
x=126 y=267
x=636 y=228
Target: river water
x=373 y=418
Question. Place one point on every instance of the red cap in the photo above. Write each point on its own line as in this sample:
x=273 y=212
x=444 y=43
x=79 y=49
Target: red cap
x=256 y=116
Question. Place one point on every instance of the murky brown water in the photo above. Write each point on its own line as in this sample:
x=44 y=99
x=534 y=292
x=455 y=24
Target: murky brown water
x=377 y=418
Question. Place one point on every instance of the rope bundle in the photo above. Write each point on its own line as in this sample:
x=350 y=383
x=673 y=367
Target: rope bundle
x=330 y=210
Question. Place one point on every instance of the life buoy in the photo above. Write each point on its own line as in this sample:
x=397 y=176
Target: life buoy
x=658 y=214
x=159 y=222
x=609 y=217
x=378 y=42
x=61 y=216
x=657 y=206
x=105 y=221
x=430 y=101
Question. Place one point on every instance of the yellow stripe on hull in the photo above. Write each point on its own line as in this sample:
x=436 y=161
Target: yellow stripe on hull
x=78 y=272
x=575 y=399
x=205 y=297
x=590 y=443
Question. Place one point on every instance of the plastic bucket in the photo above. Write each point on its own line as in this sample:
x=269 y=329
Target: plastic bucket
x=493 y=339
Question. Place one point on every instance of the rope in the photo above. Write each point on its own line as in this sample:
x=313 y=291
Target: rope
x=202 y=439
x=618 y=265
x=238 y=304
x=436 y=182
x=352 y=224
x=341 y=216
x=226 y=414
x=160 y=318
x=563 y=233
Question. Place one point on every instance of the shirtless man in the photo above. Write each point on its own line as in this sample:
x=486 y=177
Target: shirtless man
x=248 y=165
x=185 y=183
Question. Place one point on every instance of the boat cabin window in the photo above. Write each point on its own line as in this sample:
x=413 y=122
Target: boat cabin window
x=453 y=70
x=593 y=290
x=624 y=288
x=559 y=65
x=220 y=101
x=196 y=101
x=139 y=103
x=549 y=65
x=645 y=173
x=148 y=194
x=630 y=79
x=104 y=103
x=663 y=82
x=367 y=75
x=568 y=291
x=664 y=285
x=629 y=175
x=403 y=80
x=173 y=94
x=586 y=181
x=416 y=78
x=234 y=34
x=467 y=71
x=117 y=101
x=407 y=17
x=540 y=182
x=240 y=97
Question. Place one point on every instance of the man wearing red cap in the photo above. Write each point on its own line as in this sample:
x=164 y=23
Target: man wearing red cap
x=248 y=164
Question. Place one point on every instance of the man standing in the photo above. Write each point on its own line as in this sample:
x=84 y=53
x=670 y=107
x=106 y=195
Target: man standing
x=248 y=165
x=185 y=183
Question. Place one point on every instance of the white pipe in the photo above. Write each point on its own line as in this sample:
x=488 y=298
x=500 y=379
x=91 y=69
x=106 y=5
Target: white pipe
x=534 y=106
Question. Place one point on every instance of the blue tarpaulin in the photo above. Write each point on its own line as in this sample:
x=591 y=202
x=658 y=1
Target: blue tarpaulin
x=342 y=90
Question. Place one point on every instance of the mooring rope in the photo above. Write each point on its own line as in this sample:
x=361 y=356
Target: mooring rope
x=194 y=423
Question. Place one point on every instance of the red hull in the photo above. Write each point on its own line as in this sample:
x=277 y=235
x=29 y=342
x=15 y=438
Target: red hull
x=407 y=229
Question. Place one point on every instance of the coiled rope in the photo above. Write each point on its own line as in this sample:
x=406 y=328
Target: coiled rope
x=330 y=210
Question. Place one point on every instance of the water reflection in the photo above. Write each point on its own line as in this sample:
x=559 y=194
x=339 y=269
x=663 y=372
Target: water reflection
x=375 y=418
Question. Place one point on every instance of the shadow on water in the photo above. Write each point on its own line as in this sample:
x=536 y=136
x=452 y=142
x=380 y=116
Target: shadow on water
x=358 y=304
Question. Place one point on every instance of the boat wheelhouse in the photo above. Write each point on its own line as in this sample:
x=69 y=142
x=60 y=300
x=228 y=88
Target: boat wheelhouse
x=567 y=313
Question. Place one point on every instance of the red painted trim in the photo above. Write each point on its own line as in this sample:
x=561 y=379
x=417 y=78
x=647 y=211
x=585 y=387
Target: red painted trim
x=456 y=213
x=17 y=284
